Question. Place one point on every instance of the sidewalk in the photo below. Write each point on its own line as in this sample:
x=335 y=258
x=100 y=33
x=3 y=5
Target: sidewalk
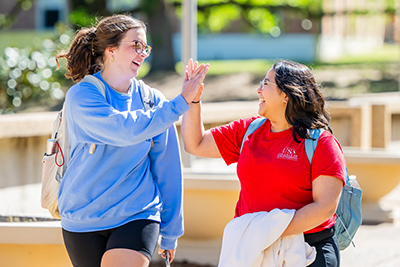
x=376 y=245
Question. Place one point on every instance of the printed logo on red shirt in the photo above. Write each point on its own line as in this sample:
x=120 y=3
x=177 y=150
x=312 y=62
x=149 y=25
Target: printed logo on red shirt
x=288 y=153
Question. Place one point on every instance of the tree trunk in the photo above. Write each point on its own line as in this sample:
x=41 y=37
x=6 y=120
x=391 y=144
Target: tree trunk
x=160 y=23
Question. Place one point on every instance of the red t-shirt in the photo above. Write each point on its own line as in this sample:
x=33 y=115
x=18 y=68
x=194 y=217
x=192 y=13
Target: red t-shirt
x=273 y=169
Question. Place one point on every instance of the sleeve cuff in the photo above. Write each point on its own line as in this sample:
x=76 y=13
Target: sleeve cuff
x=168 y=243
x=180 y=104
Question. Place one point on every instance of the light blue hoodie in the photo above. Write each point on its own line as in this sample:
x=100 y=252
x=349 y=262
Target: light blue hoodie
x=126 y=178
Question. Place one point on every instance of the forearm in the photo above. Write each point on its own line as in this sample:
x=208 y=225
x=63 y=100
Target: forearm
x=309 y=217
x=192 y=128
x=326 y=194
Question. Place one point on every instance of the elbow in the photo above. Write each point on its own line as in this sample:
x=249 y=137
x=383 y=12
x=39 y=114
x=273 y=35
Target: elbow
x=332 y=211
x=186 y=148
x=329 y=211
x=326 y=210
x=189 y=149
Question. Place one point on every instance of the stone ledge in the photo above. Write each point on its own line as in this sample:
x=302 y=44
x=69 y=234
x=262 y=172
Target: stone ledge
x=26 y=124
x=211 y=181
x=31 y=233
x=374 y=156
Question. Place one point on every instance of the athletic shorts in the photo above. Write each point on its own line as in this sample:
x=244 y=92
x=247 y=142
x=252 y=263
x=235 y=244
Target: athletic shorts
x=325 y=242
x=86 y=249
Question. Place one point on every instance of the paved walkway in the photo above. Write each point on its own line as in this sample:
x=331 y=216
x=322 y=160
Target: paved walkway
x=376 y=245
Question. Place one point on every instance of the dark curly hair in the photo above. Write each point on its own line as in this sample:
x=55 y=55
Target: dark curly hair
x=86 y=53
x=306 y=106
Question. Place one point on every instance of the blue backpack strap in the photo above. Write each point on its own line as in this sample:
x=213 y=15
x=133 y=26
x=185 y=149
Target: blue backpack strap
x=310 y=144
x=348 y=213
x=254 y=125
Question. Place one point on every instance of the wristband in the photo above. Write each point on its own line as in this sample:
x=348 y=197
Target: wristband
x=196 y=102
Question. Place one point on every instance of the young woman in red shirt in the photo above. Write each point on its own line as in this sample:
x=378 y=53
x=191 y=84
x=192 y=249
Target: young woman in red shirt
x=273 y=167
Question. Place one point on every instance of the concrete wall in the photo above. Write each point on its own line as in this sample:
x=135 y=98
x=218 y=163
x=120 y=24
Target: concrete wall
x=23 y=136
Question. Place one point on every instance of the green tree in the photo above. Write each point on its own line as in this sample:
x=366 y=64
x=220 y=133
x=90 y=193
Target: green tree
x=9 y=18
x=213 y=16
x=158 y=16
x=260 y=15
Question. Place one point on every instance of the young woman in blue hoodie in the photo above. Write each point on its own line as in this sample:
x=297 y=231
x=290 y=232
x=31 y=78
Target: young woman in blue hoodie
x=115 y=201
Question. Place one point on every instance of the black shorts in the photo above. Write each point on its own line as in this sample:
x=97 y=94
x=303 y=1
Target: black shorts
x=86 y=249
x=325 y=242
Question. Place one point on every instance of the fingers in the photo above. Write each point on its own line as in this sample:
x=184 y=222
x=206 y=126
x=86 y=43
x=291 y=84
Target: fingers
x=186 y=78
x=195 y=65
x=193 y=68
x=202 y=69
x=171 y=253
x=192 y=88
x=190 y=67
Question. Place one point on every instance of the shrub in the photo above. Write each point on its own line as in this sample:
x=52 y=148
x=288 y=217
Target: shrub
x=28 y=76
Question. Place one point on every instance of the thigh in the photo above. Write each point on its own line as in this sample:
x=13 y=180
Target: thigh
x=328 y=254
x=85 y=249
x=121 y=257
x=139 y=235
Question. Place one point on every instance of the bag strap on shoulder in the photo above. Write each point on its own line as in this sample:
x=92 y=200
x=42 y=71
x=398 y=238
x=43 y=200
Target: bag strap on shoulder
x=147 y=95
x=311 y=144
x=102 y=88
x=96 y=82
x=254 y=125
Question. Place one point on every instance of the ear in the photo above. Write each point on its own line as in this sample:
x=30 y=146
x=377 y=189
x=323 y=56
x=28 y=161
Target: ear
x=110 y=51
x=285 y=98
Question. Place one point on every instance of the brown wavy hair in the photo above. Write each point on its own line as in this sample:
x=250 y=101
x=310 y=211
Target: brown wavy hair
x=306 y=106
x=86 y=52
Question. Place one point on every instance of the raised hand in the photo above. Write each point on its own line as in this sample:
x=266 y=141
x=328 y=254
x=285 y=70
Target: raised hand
x=193 y=81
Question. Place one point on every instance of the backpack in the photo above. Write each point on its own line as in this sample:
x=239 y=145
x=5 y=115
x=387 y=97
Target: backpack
x=57 y=156
x=348 y=212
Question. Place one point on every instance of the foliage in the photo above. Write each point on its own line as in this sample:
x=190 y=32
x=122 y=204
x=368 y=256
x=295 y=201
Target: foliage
x=81 y=18
x=261 y=15
x=391 y=7
x=27 y=75
x=8 y=19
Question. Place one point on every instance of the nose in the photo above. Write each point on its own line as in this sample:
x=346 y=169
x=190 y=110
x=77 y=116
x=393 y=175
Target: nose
x=259 y=89
x=144 y=54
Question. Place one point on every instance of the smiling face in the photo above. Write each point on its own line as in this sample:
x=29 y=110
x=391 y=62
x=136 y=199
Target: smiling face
x=124 y=58
x=273 y=101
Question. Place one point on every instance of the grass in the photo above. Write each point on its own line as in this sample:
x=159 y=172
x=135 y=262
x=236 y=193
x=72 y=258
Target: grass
x=224 y=67
x=22 y=38
x=387 y=53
